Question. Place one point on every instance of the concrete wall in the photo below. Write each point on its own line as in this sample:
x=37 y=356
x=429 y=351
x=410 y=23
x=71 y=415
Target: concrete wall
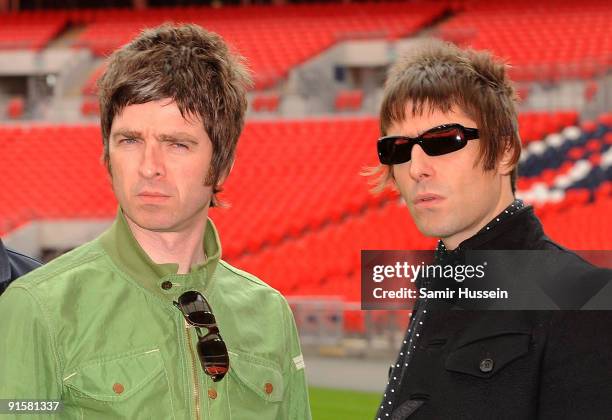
x=54 y=234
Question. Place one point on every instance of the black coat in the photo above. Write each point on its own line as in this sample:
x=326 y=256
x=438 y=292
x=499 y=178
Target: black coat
x=508 y=364
x=13 y=265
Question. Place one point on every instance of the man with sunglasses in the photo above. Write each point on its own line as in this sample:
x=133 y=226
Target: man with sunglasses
x=450 y=146
x=147 y=321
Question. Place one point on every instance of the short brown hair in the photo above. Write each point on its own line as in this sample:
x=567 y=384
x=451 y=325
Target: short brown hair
x=192 y=67
x=439 y=75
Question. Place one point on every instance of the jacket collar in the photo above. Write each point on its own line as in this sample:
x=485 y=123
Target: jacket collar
x=518 y=229
x=125 y=251
x=5 y=266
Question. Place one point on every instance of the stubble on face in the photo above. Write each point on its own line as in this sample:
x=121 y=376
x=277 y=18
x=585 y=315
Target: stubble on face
x=159 y=177
x=464 y=194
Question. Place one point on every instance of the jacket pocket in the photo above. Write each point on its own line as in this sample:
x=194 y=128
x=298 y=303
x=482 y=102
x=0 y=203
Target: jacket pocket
x=487 y=356
x=263 y=377
x=130 y=386
x=256 y=389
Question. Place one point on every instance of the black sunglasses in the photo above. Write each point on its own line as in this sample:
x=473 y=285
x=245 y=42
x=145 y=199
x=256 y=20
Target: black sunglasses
x=393 y=150
x=212 y=350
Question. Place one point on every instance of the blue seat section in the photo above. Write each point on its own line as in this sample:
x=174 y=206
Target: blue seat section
x=570 y=149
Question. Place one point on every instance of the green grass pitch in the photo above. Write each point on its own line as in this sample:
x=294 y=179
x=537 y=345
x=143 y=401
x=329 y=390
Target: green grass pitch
x=337 y=404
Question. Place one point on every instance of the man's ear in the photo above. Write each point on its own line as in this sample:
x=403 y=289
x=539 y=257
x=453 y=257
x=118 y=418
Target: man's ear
x=505 y=165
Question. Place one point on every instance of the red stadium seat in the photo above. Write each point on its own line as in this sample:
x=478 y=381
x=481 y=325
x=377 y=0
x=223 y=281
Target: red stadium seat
x=15 y=107
x=274 y=39
x=266 y=102
x=349 y=100
x=523 y=33
x=27 y=30
x=300 y=213
x=90 y=107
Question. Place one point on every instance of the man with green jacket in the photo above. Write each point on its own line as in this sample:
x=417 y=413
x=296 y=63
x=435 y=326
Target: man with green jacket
x=147 y=321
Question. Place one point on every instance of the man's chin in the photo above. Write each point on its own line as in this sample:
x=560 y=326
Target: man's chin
x=151 y=221
x=432 y=229
x=156 y=225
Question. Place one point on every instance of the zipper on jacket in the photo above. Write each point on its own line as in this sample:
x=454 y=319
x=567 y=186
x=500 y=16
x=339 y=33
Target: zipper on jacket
x=196 y=389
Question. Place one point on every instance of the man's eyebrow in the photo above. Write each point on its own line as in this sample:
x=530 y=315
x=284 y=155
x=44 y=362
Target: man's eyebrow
x=126 y=133
x=178 y=136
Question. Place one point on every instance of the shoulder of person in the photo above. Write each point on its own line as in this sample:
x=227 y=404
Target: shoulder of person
x=22 y=261
x=573 y=266
x=18 y=264
x=61 y=267
x=233 y=278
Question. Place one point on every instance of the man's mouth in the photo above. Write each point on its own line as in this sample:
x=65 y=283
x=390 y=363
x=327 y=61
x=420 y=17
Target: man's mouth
x=152 y=196
x=427 y=199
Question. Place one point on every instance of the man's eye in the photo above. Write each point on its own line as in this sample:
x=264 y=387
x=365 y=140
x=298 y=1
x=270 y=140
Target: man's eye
x=179 y=145
x=127 y=141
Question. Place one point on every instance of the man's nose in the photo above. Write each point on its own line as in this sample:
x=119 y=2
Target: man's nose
x=420 y=164
x=151 y=164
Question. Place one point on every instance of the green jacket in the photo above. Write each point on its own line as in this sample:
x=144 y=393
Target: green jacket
x=95 y=329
